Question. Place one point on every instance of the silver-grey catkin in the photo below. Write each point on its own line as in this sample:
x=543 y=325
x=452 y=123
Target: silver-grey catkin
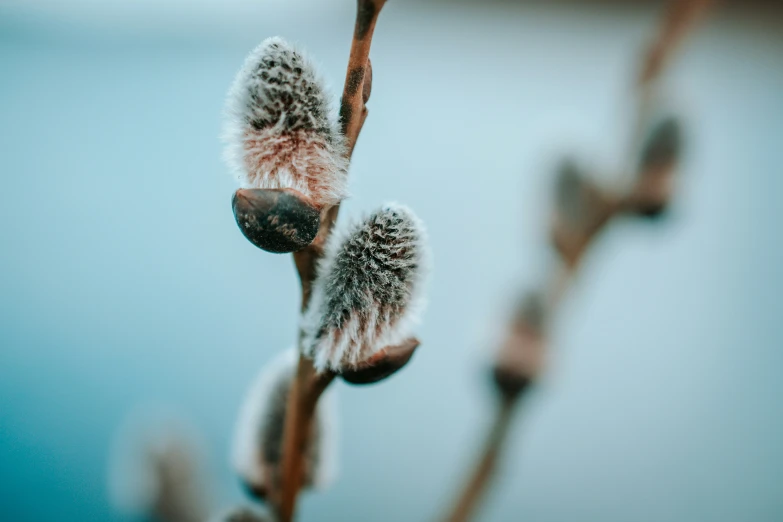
x=368 y=293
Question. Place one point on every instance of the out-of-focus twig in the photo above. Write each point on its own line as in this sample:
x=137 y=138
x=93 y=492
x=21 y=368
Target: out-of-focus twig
x=583 y=210
x=485 y=467
x=678 y=19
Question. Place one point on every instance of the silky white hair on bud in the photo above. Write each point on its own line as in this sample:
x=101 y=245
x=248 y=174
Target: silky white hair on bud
x=280 y=129
x=368 y=293
x=258 y=436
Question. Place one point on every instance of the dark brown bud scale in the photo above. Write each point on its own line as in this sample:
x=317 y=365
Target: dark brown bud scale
x=509 y=383
x=382 y=365
x=521 y=356
x=652 y=211
x=276 y=220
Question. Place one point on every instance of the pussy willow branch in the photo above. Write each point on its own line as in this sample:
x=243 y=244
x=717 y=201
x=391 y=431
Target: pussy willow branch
x=308 y=385
x=679 y=19
x=556 y=286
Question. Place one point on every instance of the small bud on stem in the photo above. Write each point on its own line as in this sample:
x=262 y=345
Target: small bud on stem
x=520 y=358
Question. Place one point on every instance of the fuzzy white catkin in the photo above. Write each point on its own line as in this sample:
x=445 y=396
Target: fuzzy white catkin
x=280 y=129
x=368 y=293
x=258 y=435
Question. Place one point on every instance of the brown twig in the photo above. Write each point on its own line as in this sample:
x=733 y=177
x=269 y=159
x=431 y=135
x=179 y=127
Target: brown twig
x=679 y=18
x=517 y=366
x=306 y=389
x=308 y=385
x=485 y=467
x=520 y=359
x=353 y=110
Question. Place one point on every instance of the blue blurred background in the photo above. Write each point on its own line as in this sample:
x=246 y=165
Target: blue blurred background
x=125 y=281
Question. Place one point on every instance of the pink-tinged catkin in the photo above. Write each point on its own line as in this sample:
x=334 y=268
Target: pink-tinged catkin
x=280 y=129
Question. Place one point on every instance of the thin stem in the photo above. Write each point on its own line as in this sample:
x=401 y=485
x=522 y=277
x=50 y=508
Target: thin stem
x=557 y=283
x=353 y=111
x=484 y=470
x=306 y=389
x=308 y=385
x=679 y=18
